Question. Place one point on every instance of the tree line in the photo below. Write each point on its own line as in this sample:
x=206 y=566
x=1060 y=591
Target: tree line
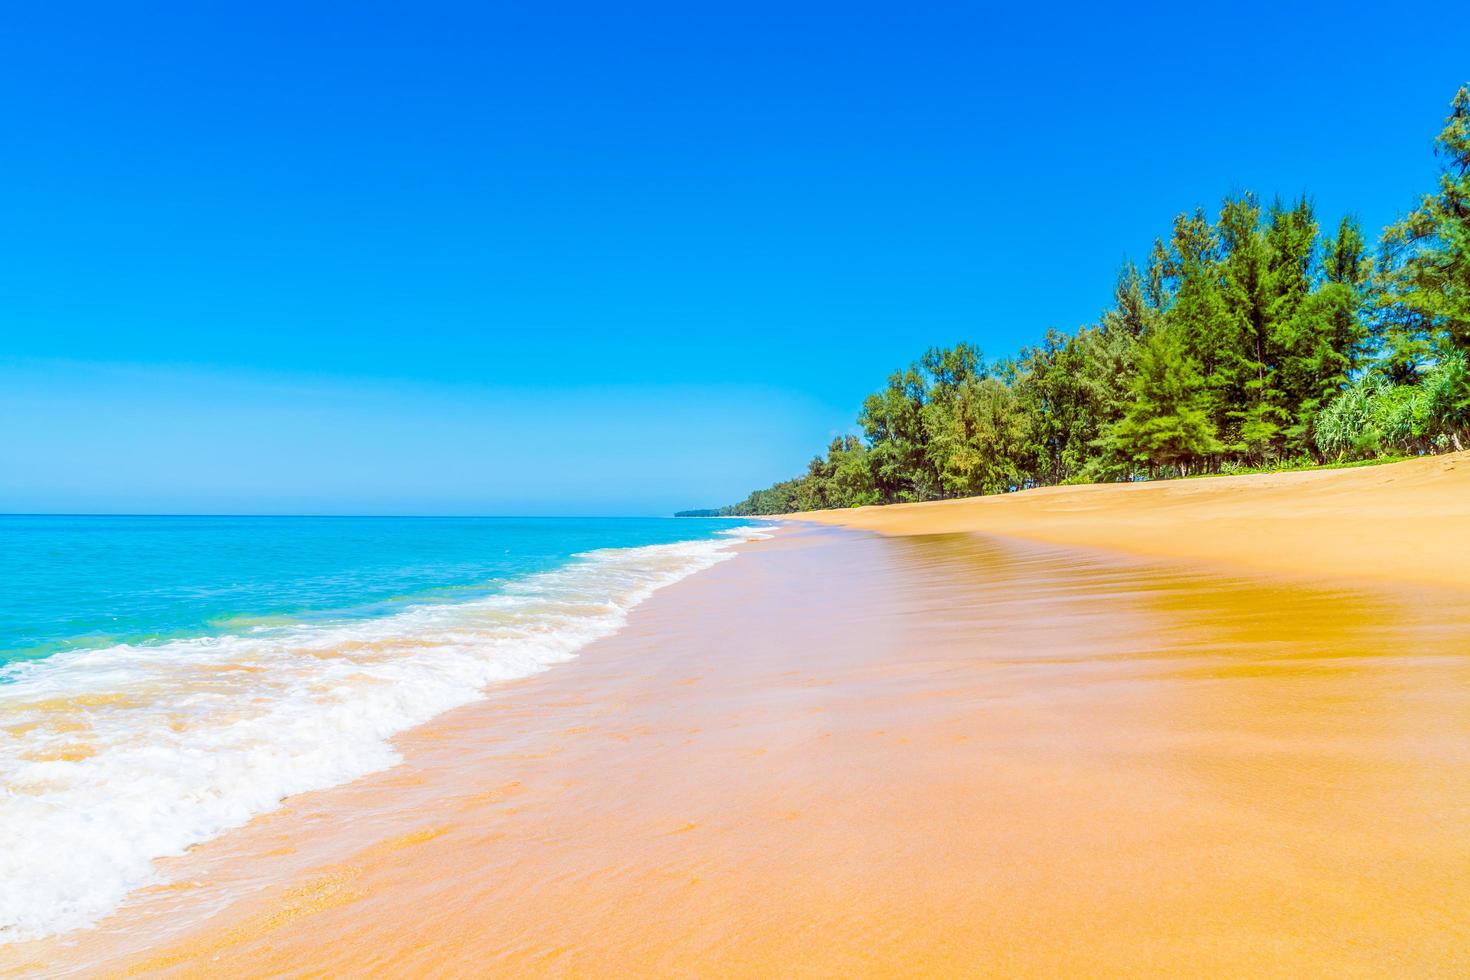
x=1256 y=340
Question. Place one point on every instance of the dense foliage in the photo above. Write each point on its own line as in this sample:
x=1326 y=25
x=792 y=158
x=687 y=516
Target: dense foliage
x=1253 y=340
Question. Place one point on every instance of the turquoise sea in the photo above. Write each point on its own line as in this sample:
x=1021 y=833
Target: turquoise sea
x=163 y=679
x=86 y=581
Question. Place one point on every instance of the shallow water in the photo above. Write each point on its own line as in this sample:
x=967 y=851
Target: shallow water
x=83 y=582
x=847 y=755
x=170 y=678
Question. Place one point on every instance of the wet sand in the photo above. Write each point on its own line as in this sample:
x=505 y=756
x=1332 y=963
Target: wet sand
x=845 y=753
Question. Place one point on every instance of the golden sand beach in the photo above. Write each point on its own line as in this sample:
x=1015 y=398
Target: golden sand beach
x=1398 y=523
x=1216 y=727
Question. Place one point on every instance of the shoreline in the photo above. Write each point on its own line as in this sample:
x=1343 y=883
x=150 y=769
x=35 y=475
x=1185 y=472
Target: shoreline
x=923 y=750
x=170 y=744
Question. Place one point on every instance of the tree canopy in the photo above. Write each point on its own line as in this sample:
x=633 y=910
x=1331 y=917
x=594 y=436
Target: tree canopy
x=1253 y=339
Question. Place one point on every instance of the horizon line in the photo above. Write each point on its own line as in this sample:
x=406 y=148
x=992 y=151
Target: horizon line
x=429 y=517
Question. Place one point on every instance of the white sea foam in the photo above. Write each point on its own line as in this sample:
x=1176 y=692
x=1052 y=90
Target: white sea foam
x=113 y=757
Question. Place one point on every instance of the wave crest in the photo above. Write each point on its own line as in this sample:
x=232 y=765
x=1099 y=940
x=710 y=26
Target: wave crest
x=111 y=758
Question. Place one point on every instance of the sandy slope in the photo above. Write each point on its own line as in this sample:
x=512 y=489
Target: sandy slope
x=920 y=754
x=1405 y=522
x=867 y=756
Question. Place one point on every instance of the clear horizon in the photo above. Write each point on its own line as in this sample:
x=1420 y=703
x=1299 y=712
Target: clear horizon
x=326 y=261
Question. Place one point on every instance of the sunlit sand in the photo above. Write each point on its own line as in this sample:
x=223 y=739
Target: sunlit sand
x=1242 y=748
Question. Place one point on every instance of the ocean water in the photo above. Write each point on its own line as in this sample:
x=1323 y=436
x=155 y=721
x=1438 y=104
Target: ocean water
x=163 y=679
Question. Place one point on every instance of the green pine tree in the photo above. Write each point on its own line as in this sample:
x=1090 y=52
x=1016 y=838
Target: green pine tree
x=1168 y=421
x=1424 y=270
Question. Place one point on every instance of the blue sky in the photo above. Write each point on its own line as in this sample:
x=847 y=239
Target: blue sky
x=577 y=258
